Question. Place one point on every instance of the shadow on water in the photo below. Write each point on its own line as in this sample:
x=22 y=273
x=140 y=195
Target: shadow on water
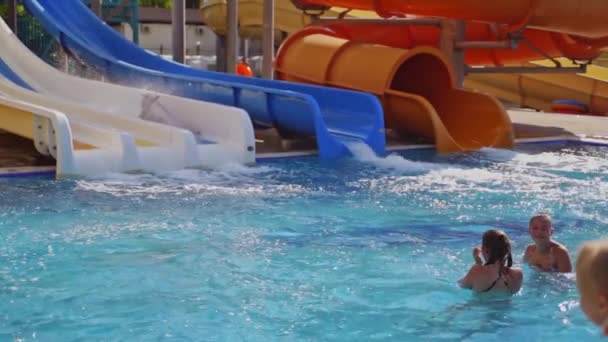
x=452 y=233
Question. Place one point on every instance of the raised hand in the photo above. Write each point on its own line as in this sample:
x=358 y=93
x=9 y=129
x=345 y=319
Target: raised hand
x=477 y=255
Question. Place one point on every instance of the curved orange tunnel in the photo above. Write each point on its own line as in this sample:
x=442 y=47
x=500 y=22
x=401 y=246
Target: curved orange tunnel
x=416 y=88
x=585 y=18
x=408 y=36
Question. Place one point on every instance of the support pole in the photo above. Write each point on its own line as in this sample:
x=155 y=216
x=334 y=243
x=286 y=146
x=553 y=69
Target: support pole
x=178 y=20
x=12 y=15
x=268 y=40
x=135 y=20
x=452 y=35
x=501 y=45
x=96 y=7
x=245 y=43
x=581 y=69
x=232 y=22
x=220 y=53
x=459 y=65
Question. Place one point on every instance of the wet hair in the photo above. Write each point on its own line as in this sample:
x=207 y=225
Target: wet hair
x=591 y=265
x=541 y=215
x=497 y=243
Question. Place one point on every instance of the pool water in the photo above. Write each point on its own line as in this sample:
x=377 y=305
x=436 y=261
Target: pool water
x=299 y=249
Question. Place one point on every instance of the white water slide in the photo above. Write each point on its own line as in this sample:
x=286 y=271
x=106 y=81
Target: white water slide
x=113 y=128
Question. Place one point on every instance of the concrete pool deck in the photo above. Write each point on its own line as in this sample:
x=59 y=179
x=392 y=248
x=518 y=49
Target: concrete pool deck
x=532 y=124
x=18 y=156
x=528 y=125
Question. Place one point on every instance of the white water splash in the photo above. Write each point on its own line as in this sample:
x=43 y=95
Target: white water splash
x=563 y=162
x=499 y=155
x=365 y=154
x=232 y=180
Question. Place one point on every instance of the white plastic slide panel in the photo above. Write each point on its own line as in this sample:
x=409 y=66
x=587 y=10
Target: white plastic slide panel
x=222 y=125
x=116 y=150
x=212 y=122
x=181 y=141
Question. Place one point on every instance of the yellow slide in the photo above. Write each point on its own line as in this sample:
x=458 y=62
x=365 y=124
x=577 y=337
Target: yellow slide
x=288 y=18
x=21 y=122
x=49 y=130
x=539 y=90
x=17 y=121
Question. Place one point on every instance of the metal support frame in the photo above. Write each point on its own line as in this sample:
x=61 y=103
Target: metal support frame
x=581 y=69
x=503 y=44
x=220 y=53
x=134 y=22
x=458 y=55
x=452 y=34
x=178 y=23
x=12 y=15
x=115 y=9
x=392 y=21
x=244 y=47
x=232 y=36
x=96 y=7
x=268 y=40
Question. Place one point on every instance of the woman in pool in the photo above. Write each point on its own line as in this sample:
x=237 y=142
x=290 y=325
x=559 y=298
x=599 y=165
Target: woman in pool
x=546 y=254
x=592 y=281
x=497 y=273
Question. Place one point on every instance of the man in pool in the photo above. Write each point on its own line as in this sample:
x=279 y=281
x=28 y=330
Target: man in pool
x=592 y=281
x=546 y=254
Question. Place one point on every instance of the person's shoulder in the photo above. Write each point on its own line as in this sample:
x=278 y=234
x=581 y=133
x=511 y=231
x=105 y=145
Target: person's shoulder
x=477 y=270
x=559 y=248
x=531 y=248
x=516 y=272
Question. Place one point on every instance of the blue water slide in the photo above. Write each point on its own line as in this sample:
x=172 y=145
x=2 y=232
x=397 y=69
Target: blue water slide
x=9 y=74
x=335 y=117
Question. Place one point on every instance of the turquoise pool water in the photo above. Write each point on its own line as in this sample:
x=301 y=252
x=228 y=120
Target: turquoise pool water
x=356 y=250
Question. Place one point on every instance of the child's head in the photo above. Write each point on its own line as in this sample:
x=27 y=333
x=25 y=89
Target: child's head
x=496 y=246
x=592 y=280
x=540 y=227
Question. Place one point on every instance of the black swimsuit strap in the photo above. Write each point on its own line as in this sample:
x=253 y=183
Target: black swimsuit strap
x=492 y=286
x=500 y=274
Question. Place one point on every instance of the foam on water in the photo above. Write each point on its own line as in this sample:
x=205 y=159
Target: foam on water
x=365 y=154
x=232 y=179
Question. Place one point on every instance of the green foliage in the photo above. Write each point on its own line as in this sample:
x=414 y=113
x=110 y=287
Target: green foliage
x=168 y=3
x=156 y=3
x=4 y=10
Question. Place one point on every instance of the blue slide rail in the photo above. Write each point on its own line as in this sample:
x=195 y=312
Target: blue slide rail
x=335 y=117
x=9 y=74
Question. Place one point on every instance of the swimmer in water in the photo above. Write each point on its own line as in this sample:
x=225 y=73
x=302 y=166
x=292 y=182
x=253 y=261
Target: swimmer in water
x=497 y=273
x=592 y=282
x=546 y=254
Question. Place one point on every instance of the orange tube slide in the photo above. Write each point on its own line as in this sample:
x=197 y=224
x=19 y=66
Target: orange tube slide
x=416 y=87
x=408 y=36
x=410 y=80
x=585 y=18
